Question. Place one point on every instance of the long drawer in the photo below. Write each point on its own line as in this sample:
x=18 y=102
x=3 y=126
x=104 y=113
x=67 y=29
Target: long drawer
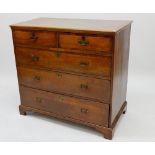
x=88 y=87
x=86 y=42
x=35 y=38
x=94 y=65
x=87 y=111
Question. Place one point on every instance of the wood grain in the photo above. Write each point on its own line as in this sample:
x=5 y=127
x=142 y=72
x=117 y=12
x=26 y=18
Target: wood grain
x=91 y=88
x=85 y=42
x=120 y=71
x=72 y=69
x=84 y=110
x=74 y=24
x=87 y=64
x=35 y=38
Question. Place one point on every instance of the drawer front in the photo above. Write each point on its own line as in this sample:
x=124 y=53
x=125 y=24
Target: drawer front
x=92 y=88
x=35 y=38
x=86 y=42
x=95 y=65
x=84 y=110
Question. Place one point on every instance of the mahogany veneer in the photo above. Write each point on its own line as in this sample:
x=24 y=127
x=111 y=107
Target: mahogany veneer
x=74 y=70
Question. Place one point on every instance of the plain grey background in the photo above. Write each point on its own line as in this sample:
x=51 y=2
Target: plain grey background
x=137 y=125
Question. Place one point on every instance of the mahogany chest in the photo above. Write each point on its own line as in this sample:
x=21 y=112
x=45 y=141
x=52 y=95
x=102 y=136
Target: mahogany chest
x=73 y=69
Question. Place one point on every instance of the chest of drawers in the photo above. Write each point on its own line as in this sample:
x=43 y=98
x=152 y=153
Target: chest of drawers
x=75 y=70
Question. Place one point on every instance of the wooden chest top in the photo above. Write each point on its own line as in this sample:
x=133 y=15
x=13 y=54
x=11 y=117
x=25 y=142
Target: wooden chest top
x=75 y=24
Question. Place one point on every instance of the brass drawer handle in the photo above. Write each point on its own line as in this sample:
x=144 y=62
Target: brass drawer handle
x=39 y=99
x=83 y=41
x=33 y=37
x=84 y=110
x=57 y=54
x=35 y=58
x=37 y=78
x=84 y=63
x=84 y=86
x=61 y=99
x=59 y=75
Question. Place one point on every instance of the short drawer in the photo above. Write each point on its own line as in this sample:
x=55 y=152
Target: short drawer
x=83 y=110
x=94 y=65
x=88 y=87
x=35 y=38
x=83 y=42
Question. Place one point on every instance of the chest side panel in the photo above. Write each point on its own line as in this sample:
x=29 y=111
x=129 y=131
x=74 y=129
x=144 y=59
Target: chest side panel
x=120 y=71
